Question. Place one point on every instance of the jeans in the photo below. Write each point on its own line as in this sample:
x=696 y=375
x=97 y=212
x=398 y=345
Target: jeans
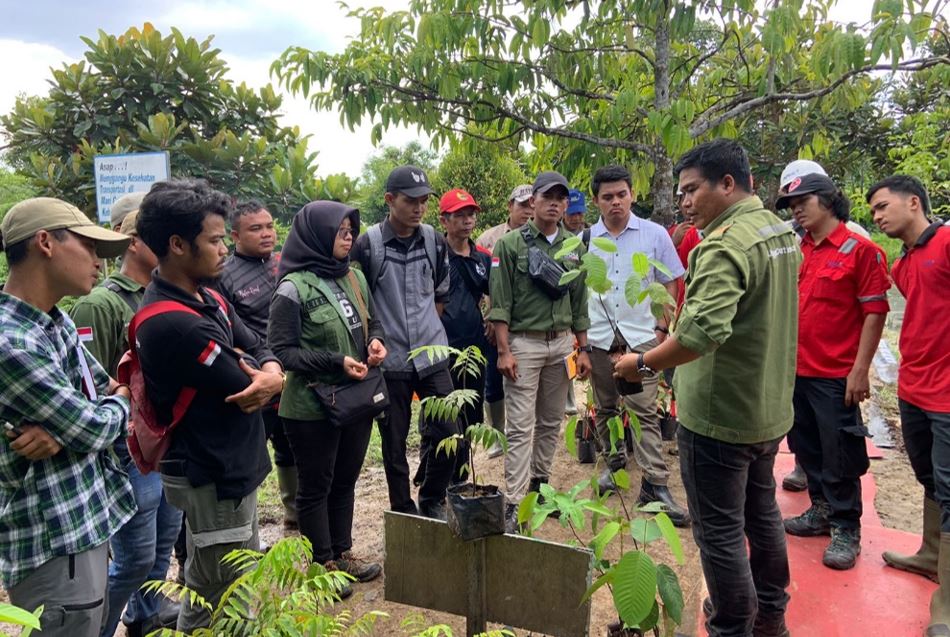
x=329 y=460
x=828 y=439
x=141 y=551
x=395 y=428
x=927 y=440
x=730 y=491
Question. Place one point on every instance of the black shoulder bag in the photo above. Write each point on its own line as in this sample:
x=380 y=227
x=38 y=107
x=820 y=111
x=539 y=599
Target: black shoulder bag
x=355 y=400
x=544 y=271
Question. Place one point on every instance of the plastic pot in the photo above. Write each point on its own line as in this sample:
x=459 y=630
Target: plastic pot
x=475 y=514
x=586 y=443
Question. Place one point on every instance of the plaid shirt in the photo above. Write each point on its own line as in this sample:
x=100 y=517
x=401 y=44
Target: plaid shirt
x=77 y=499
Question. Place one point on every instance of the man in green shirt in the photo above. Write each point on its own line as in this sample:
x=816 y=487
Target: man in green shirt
x=535 y=332
x=141 y=549
x=734 y=346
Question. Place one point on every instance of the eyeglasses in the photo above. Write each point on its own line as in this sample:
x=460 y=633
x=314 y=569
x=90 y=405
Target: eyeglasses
x=343 y=233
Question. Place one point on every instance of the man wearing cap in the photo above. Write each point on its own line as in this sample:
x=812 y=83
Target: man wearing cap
x=123 y=207
x=142 y=548
x=519 y=213
x=843 y=283
x=733 y=345
x=574 y=221
x=900 y=206
x=248 y=283
x=406 y=263
x=535 y=328
x=62 y=494
x=617 y=327
x=462 y=315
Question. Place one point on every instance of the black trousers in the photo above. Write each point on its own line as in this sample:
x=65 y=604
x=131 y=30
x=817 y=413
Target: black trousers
x=328 y=462
x=927 y=440
x=494 y=381
x=828 y=440
x=395 y=429
x=731 y=495
x=274 y=429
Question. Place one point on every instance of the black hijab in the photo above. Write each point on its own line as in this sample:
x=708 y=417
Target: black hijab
x=309 y=245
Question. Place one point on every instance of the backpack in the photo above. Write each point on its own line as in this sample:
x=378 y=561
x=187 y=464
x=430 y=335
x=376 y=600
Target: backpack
x=148 y=440
x=122 y=293
x=377 y=251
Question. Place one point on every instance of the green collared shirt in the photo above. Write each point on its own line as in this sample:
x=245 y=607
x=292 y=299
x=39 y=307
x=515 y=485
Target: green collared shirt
x=741 y=314
x=517 y=301
x=107 y=315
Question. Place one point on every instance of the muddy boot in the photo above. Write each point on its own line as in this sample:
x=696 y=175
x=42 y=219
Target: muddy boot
x=940 y=601
x=844 y=549
x=344 y=589
x=924 y=561
x=496 y=411
x=796 y=480
x=362 y=570
x=287 y=484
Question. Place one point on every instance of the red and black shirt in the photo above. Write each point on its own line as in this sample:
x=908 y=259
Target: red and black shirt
x=841 y=281
x=922 y=275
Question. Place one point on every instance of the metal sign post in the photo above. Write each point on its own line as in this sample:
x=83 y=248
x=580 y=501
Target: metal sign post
x=505 y=579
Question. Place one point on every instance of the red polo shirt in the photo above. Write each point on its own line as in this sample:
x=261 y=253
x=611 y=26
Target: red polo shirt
x=922 y=275
x=841 y=281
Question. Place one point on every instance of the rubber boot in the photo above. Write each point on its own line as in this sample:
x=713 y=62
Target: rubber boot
x=940 y=601
x=287 y=484
x=924 y=561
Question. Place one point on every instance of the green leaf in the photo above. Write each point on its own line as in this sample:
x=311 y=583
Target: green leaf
x=605 y=244
x=645 y=530
x=641 y=264
x=634 y=587
x=602 y=539
x=570 y=245
x=668 y=585
x=634 y=422
x=570 y=440
x=598 y=583
x=671 y=536
x=660 y=266
x=622 y=479
x=527 y=506
x=569 y=276
x=632 y=291
x=11 y=614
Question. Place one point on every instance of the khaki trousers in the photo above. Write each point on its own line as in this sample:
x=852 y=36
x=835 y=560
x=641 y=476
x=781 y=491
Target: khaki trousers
x=535 y=407
x=649 y=452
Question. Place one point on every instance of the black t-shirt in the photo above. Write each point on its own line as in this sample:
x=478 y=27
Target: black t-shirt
x=219 y=443
x=462 y=315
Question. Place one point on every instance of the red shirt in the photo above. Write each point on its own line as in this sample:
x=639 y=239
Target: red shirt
x=841 y=281
x=689 y=241
x=922 y=275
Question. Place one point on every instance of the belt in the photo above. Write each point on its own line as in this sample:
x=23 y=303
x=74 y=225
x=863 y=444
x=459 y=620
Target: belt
x=548 y=335
x=174 y=468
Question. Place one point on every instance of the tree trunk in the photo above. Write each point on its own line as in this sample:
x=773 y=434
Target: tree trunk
x=662 y=187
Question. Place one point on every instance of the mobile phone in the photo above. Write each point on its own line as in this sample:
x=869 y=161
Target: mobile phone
x=13 y=429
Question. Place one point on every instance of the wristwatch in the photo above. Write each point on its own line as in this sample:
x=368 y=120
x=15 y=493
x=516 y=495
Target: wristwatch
x=642 y=367
x=587 y=349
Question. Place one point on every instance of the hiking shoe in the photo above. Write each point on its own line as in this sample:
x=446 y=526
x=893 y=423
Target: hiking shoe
x=844 y=549
x=812 y=522
x=344 y=589
x=796 y=480
x=362 y=570
x=650 y=492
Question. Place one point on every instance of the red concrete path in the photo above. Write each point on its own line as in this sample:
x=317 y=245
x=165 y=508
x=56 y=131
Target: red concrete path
x=870 y=599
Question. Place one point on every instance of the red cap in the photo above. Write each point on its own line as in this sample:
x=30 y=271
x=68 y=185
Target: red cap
x=456 y=199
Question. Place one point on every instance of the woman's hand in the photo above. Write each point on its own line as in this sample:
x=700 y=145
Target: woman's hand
x=377 y=352
x=354 y=369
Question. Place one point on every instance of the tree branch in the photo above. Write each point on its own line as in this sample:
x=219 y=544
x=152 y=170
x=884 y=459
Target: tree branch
x=705 y=123
x=702 y=60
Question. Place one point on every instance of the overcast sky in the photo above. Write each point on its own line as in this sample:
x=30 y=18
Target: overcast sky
x=37 y=34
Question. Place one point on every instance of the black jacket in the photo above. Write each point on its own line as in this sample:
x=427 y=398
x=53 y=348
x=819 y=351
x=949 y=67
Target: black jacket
x=462 y=314
x=219 y=443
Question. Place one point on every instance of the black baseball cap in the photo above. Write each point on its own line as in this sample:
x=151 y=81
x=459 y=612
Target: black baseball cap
x=806 y=185
x=409 y=180
x=549 y=179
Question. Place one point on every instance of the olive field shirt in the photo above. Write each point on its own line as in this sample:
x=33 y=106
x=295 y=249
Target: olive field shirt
x=102 y=317
x=741 y=314
x=517 y=301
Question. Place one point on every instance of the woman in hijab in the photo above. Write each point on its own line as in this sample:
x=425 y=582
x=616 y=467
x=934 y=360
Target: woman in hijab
x=323 y=328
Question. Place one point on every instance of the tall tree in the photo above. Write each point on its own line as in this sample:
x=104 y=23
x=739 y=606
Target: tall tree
x=635 y=81
x=372 y=185
x=141 y=91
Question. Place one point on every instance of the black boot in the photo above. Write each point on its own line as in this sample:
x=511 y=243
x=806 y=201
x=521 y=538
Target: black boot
x=660 y=493
x=432 y=509
x=605 y=483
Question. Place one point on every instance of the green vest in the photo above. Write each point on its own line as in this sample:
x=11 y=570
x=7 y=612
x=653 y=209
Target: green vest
x=323 y=327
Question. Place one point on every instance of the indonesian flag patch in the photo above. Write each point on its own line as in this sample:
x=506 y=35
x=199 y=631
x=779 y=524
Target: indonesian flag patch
x=85 y=334
x=209 y=354
x=495 y=262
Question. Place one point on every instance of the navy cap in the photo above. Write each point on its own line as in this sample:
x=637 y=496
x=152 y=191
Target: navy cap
x=576 y=204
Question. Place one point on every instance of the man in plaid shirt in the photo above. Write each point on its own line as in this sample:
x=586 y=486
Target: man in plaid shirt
x=61 y=493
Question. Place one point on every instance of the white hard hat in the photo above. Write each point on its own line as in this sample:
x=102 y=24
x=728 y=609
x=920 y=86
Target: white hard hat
x=799 y=168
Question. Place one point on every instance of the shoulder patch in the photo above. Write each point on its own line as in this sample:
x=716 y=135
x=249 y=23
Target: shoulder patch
x=718 y=232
